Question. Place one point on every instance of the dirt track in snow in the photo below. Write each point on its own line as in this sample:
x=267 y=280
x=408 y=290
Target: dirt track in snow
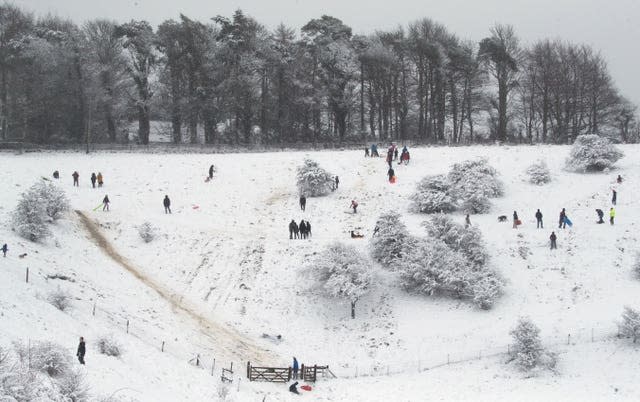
x=223 y=338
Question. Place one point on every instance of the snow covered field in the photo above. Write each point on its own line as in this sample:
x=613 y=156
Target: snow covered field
x=223 y=273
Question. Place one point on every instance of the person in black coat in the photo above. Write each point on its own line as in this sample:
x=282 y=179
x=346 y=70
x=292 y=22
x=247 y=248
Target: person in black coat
x=562 y=222
x=614 y=197
x=293 y=229
x=294 y=388
x=337 y=182
x=539 y=224
x=93 y=180
x=303 y=229
x=553 y=240
x=515 y=220
x=303 y=202
x=56 y=174
x=167 y=204
x=81 y=351
x=105 y=203
x=75 y=176
x=308 y=228
x=600 y=215
x=211 y=169
x=4 y=250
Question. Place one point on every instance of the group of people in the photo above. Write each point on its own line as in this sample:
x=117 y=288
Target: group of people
x=301 y=231
x=95 y=178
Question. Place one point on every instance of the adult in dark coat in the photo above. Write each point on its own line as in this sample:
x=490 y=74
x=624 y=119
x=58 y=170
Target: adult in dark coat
x=553 y=240
x=600 y=215
x=308 y=228
x=93 y=180
x=303 y=229
x=293 y=229
x=303 y=202
x=105 y=203
x=167 y=204
x=539 y=224
x=614 y=197
x=75 y=176
x=5 y=248
x=562 y=222
x=211 y=169
x=293 y=388
x=81 y=351
x=295 y=368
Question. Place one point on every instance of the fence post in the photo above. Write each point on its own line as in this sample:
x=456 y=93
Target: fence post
x=198 y=359
x=127 y=326
x=569 y=339
x=508 y=349
x=591 y=334
x=249 y=370
x=94 y=309
x=447 y=358
x=214 y=364
x=27 y=277
x=162 y=347
x=238 y=389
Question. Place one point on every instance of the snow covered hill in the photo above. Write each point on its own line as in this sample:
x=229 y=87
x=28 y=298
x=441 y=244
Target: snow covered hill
x=222 y=279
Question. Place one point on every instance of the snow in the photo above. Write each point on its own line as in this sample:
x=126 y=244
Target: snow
x=222 y=272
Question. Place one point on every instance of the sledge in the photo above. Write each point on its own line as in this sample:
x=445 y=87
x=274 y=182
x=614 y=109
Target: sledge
x=392 y=180
x=568 y=221
x=306 y=387
x=195 y=206
x=518 y=222
x=96 y=208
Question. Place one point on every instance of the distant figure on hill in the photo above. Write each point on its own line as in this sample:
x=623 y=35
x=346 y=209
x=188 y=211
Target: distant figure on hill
x=293 y=230
x=337 y=182
x=93 y=180
x=81 y=351
x=56 y=174
x=562 y=221
x=612 y=215
x=105 y=203
x=5 y=248
x=553 y=240
x=619 y=179
x=366 y=152
x=75 y=176
x=600 y=215
x=539 y=224
x=354 y=205
x=516 y=221
x=212 y=169
x=167 y=204
x=614 y=196
x=100 y=179
x=303 y=202
x=295 y=367
x=467 y=221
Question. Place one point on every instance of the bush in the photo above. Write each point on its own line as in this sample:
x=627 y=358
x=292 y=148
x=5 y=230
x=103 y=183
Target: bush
x=629 y=327
x=466 y=240
x=46 y=357
x=147 y=232
x=539 y=173
x=391 y=242
x=432 y=195
x=592 y=153
x=474 y=178
x=527 y=348
x=60 y=299
x=312 y=180
x=476 y=204
x=28 y=219
x=342 y=271
x=52 y=197
x=73 y=387
x=109 y=346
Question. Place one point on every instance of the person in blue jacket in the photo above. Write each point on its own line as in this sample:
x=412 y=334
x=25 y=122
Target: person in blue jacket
x=295 y=368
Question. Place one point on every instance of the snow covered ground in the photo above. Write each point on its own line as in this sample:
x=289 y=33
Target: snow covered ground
x=223 y=273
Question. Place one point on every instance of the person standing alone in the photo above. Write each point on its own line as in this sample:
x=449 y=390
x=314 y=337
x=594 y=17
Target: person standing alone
x=303 y=202
x=81 y=351
x=93 y=180
x=167 y=204
x=295 y=368
x=75 y=176
x=539 y=220
x=553 y=241
x=614 y=197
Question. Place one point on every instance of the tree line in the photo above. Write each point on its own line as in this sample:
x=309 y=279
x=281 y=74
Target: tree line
x=230 y=80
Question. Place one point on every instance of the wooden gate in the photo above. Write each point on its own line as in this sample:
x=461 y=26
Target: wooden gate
x=269 y=374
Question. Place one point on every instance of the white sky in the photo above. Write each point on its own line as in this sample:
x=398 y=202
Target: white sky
x=611 y=27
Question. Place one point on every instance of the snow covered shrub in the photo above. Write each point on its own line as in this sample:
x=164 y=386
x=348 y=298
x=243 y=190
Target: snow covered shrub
x=466 y=240
x=342 y=271
x=44 y=356
x=60 y=299
x=52 y=197
x=474 y=178
x=592 y=153
x=73 y=387
x=629 y=327
x=391 y=241
x=476 y=204
x=527 y=348
x=312 y=180
x=432 y=195
x=109 y=346
x=539 y=173
x=147 y=232
x=28 y=219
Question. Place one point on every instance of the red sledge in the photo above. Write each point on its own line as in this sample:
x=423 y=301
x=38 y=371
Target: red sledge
x=306 y=387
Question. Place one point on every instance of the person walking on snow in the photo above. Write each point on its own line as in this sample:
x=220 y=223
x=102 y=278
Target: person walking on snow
x=295 y=368
x=303 y=202
x=75 y=176
x=553 y=240
x=308 y=228
x=293 y=229
x=105 y=203
x=211 y=170
x=467 y=221
x=612 y=215
x=303 y=229
x=562 y=222
x=167 y=204
x=366 y=152
x=354 y=205
x=337 y=182
x=93 y=180
x=600 y=215
x=100 y=181
x=4 y=250
x=515 y=220
x=614 y=196
x=81 y=351
x=539 y=224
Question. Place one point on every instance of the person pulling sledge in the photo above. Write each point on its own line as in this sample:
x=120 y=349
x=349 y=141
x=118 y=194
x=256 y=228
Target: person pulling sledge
x=354 y=205
x=600 y=215
x=105 y=203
